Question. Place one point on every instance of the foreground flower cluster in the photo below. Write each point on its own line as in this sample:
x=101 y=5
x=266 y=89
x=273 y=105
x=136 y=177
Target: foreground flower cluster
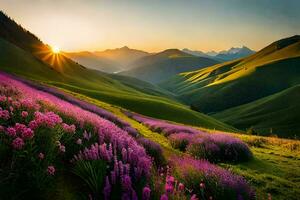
x=40 y=134
x=214 y=147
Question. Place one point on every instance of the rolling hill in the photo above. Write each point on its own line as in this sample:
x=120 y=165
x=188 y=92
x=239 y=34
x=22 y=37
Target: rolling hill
x=273 y=114
x=23 y=54
x=161 y=66
x=234 y=83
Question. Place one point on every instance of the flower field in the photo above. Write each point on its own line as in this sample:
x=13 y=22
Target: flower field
x=213 y=147
x=46 y=135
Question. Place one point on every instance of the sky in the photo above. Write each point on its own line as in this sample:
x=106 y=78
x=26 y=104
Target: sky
x=76 y=25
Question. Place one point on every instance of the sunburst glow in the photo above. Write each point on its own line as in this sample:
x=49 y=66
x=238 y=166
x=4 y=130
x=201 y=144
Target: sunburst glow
x=55 y=49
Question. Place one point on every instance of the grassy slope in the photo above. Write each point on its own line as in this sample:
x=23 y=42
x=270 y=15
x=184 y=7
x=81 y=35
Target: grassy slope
x=227 y=85
x=268 y=112
x=100 y=86
x=275 y=168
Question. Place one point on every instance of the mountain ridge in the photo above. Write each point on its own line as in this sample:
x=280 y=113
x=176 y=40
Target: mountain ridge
x=160 y=66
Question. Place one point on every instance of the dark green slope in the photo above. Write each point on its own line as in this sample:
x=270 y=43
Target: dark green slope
x=27 y=59
x=276 y=114
x=161 y=66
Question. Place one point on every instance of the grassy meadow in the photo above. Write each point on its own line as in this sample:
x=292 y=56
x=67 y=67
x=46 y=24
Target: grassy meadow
x=274 y=169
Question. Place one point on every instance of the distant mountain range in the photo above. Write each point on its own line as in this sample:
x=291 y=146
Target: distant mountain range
x=161 y=66
x=125 y=58
x=226 y=55
x=110 y=60
x=260 y=91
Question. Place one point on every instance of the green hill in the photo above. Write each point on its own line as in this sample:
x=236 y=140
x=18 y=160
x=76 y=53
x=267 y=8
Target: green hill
x=275 y=114
x=24 y=55
x=227 y=85
x=161 y=66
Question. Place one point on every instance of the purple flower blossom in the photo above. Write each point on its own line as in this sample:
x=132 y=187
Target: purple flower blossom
x=146 y=193
x=164 y=197
x=107 y=189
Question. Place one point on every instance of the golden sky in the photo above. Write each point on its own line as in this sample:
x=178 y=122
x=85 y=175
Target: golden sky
x=76 y=25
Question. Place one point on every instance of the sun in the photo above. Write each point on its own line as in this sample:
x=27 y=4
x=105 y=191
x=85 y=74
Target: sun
x=55 y=49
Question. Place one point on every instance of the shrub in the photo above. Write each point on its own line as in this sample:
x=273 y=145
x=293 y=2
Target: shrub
x=154 y=150
x=208 y=180
x=200 y=144
x=180 y=141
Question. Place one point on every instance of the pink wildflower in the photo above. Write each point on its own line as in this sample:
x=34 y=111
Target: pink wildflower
x=41 y=156
x=33 y=124
x=4 y=114
x=86 y=135
x=24 y=114
x=27 y=133
x=62 y=148
x=79 y=141
x=18 y=143
x=69 y=128
x=11 y=132
x=194 y=197
x=51 y=170
x=20 y=127
x=202 y=185
x=181 y=187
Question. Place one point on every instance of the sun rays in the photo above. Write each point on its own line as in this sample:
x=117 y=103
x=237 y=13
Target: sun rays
x=51 y=55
